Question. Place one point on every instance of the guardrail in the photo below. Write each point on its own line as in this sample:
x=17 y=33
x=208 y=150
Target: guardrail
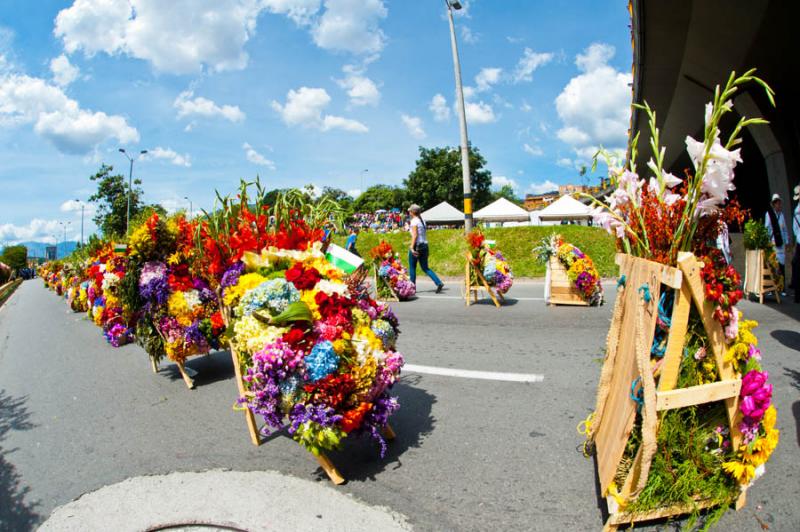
x=7 y=289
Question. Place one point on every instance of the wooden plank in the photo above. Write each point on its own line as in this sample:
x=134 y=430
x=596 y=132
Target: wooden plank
x=659 y=513
x=681 y=307
x=573 y=302
x=250 y=419
x=388 y=433
x=330 y=469
x=697 y=395
x=616 y=424
x=186 y=378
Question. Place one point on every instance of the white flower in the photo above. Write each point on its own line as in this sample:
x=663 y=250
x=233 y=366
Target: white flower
x=330 y=287
x=671 y=180
x=671 y=198
x=732 y=329
x=192 y=298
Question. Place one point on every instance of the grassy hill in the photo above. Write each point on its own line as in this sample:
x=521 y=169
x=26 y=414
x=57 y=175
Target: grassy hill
x=516 y=243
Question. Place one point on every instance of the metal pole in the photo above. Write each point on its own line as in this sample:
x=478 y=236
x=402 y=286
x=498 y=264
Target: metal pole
x=82 y=224
x=128 y=214
x=463 y=124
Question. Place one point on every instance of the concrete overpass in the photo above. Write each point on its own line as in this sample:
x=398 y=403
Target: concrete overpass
x=683 y=48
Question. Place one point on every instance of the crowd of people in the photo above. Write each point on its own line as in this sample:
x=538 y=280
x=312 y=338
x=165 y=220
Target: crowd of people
x=380 y=221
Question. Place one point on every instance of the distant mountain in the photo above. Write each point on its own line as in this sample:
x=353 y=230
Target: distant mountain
x=36 y=249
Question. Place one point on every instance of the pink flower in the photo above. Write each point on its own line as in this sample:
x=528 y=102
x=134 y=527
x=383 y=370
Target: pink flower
x=756 y=396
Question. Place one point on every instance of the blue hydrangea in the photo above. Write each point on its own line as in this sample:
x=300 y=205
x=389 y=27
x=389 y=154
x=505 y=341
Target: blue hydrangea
x=275 y=295
x=321 y=361
x=384 y=271
x=384 y=330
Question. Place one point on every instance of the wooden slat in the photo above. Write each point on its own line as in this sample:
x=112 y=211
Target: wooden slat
x=330 y=469
x=697 y=395
x=250 y=419
x=659 y=513
x=682 y=305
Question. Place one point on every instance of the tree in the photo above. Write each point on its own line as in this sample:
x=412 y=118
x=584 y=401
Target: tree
x=437 y=177
x=380 y=197
x=507 y=192
x=16 y=257
x=112 y=201
x=340 y=196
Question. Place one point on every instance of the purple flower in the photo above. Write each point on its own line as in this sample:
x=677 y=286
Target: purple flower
x=377 y=418
x=231 y=276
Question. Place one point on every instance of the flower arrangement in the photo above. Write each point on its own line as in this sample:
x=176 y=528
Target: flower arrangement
x=580 y=267
x=756 y=236
x=315 y=351
x=391 y=276
x=490 y=262
x=656 y=219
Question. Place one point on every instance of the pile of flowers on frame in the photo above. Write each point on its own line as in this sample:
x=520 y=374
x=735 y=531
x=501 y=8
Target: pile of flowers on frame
x=316 y=351
x=580 y=267
x=656 y=219
x=490 y=262
x=391 y=276
x=105 y=308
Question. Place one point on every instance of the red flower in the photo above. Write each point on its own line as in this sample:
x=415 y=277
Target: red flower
x=352 y=419
x=332 y=390
x=298 y=337
x=302 y=278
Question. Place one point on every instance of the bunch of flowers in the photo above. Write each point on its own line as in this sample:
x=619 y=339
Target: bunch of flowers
x=391 y=276
x=104 y=274
x=656 y=219
x=490 y=262
x=314 y=352
x=580 y=267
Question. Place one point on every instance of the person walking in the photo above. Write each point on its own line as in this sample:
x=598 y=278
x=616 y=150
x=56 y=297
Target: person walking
x=776 y=225
x=796 y=251
x=350 y=245
x=418 y=251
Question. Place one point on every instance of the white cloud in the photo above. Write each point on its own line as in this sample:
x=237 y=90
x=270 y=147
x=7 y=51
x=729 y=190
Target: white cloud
x=487 y=77
x=355 y=193
x=63 y=71
x=414 y=126
x=37 y=230
x=75 y=207
x=179 y=36
x=203 y=107
x=299 y=11
x=170 y=155
x=565 y=162
x=360 y=89
x=529 y=62
x=439 y=108
x=532 y=150
x=304 y=108
x=594 y=107
x=256 y=158
x=500 y=181
x=313 y=190
x=173 y=205
x=479 y=113
x=468 y=36
x=351 y=26
x=526 y=107
x=541 y=188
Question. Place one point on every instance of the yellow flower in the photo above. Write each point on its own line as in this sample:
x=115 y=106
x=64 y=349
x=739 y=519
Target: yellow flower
x=177 y=307
x=364 y=376
x=251 y=335
x=309 y=298
x=175 y=258
x=743 y=473
x=770 y=416
x=246 y=282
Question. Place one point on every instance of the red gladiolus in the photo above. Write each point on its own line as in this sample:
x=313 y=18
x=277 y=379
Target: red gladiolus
x=303 y=278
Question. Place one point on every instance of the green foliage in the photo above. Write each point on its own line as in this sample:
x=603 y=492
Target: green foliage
x=516 y=243
x=15 y=257
x=437 y=177
x=380 y=197
x=112 y=201
x=340 y=196
x=507 y=192
x=756 y=235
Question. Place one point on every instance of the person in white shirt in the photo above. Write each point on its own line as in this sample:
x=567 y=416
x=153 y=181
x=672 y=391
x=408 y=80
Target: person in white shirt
x=418 y=251
x=796 y=252
x=776 y=225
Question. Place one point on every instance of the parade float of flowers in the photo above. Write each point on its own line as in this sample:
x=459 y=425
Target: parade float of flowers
x=391 y=277
x=580 y=267
x=756 y=237
x=656 y=219
x=490 y=262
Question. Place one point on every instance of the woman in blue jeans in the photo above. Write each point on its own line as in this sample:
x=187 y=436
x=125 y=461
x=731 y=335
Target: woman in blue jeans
x=418 y=252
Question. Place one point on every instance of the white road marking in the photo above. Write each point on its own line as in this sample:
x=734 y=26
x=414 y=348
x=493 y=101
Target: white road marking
x=461 y=298
x=470 y=374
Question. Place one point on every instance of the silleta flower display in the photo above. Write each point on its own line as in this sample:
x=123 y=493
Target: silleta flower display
x=580 y=267
x=490 y=262
x=391 y=276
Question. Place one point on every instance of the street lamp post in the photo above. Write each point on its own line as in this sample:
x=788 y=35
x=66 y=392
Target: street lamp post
x=65 y=224
x=130 y=189
x=82 y=207
x=451 y=5
x=364 y=171
x=190 y=206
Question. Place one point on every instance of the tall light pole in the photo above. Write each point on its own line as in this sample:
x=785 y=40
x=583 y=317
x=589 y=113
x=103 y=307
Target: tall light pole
x=364 y=171
x=65 y=224
x=462 y=117
x=82 y=207
x=130 y=190
x=190 y=206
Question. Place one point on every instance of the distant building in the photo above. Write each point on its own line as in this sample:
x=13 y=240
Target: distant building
x=50 y=253
x=534 y=202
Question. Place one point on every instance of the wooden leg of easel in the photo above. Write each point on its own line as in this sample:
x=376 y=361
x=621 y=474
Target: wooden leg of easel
x=467 y=285
x=186 y=378
x=388 y=433
x=741 y=501
x=154 y=364
x=330 y=469
x=609 y=527
x=252 y=428
x=488 y=289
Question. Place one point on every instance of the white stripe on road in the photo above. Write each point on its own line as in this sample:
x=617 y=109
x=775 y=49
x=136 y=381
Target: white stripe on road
x=470 y=374
x=461 y=298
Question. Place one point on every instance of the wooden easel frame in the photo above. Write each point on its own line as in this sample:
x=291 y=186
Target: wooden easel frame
x=378 y=279
x=758 y=279
x=615 y=413
x=560 y=290
x=471 y=290
x=255 y=436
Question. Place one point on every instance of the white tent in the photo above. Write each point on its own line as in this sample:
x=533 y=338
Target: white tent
x=502 y=210
x=565 y=208
x=444 y=213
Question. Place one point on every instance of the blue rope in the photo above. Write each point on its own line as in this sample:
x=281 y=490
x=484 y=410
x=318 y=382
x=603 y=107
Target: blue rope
x=621 y=282
x=645 y=291
x=638 y=397
x=663 y=323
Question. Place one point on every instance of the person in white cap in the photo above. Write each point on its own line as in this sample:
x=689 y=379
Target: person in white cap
x=776 y=225
x=796 y=253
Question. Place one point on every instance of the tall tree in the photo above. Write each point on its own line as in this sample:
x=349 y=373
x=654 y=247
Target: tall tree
x=112 y=201
x=437 y=177
x=380 y=197
x=15 y=257
x=507 y=192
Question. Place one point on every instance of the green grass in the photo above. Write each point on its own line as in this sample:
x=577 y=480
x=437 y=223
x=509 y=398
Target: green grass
x=516 y=244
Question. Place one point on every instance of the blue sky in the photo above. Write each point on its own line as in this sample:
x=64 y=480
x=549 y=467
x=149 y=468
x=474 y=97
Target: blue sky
x=296 y=91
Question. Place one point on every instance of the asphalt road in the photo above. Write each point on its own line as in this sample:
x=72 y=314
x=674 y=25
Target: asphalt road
x=77 y=415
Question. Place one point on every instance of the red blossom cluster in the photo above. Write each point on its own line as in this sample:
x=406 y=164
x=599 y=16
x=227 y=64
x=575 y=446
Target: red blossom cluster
x=352 y=419
x=301 y=277
x=722 y=283
x=331 y=390
x=382 y=251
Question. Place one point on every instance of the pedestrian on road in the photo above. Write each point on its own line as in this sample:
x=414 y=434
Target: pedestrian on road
x=418 y=251
x=776 y=225
x=796 y=252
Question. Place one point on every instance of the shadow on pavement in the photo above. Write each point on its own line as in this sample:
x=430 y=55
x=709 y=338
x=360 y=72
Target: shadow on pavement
x=15 y=514
x=790 y=339
x=212 y=368
x=360 y=459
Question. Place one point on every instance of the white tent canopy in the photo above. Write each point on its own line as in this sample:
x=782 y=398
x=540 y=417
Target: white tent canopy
x=444 y=213
x=502 y=210
x=565 y=208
